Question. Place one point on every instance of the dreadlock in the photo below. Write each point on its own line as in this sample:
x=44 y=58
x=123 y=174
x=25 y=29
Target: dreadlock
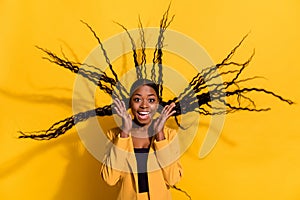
x=119 y=86
x=157 y=58
x=143 y=47
x=136 y=63
x=99 y=78
x=198 y=96
x=200 y=92
x=64 y=125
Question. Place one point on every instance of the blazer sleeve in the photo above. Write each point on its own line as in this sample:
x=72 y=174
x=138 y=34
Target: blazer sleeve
x=115 y=158
x=167 y=154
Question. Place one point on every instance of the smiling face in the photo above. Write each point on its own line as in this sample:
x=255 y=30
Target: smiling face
x=143 y=104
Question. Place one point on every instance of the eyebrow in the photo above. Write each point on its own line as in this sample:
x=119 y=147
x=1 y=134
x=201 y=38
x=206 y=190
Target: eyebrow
x=149 y=95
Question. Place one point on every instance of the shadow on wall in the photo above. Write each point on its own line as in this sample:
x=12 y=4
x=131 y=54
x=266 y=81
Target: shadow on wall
x=39 y=98
x=82 y=179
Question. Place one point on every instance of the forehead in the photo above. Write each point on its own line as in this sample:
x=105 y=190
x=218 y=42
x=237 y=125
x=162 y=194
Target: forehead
x=144 y=90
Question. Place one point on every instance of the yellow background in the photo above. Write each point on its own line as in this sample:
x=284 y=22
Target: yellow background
x=257 y=156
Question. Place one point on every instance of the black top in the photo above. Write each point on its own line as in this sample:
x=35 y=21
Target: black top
x=141 y=155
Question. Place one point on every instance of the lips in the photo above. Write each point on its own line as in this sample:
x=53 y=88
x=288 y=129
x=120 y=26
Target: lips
x=143 y=115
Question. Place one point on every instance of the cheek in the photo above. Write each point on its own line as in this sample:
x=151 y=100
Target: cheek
x=154 y=107
x=133 y=106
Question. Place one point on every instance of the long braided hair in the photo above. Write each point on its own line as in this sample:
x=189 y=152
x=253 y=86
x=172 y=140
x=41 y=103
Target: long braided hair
x=196 y=97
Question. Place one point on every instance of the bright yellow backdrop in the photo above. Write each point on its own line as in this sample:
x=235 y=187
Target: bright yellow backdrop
x=257 y=156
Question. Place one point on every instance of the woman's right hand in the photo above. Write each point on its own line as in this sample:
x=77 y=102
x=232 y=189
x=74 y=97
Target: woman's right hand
x=121 y=110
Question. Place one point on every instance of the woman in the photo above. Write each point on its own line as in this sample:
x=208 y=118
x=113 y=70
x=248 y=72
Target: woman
x=146 y=137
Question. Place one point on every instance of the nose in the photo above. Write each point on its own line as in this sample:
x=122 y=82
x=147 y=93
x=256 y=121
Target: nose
x=144 y=104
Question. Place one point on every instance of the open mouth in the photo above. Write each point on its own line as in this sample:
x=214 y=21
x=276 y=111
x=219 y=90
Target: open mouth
x=143 y=115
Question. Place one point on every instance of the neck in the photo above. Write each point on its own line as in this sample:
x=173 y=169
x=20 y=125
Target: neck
x=137 y=124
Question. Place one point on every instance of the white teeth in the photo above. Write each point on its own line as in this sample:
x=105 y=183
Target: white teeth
x=143 y=113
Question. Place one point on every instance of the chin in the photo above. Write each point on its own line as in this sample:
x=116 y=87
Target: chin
x=140 y=122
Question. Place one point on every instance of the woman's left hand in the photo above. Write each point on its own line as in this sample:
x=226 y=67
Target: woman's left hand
x=161 y=120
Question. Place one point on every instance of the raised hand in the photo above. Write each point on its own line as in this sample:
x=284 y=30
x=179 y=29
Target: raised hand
x=121 y=110
x=161 y=120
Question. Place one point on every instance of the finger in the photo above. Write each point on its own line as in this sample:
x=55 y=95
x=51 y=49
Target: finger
x=168 y=108
x=123 y=104
x=158 y=120
x=165 y=109
x=172 y=105
x=119 y=105
x=118 y=111
x=119 y=108
x=171 y=109
x=168 y=111
x=171 y=113
x=116 y=102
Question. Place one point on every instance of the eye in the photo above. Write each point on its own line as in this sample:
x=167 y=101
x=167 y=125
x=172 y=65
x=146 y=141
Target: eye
x=151 y=100
x=136 y=99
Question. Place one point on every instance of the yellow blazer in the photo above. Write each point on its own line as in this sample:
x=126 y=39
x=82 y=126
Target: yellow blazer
x=163 y=167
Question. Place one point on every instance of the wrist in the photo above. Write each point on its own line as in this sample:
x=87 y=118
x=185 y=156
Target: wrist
x=124 y=134
x=160 y=136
